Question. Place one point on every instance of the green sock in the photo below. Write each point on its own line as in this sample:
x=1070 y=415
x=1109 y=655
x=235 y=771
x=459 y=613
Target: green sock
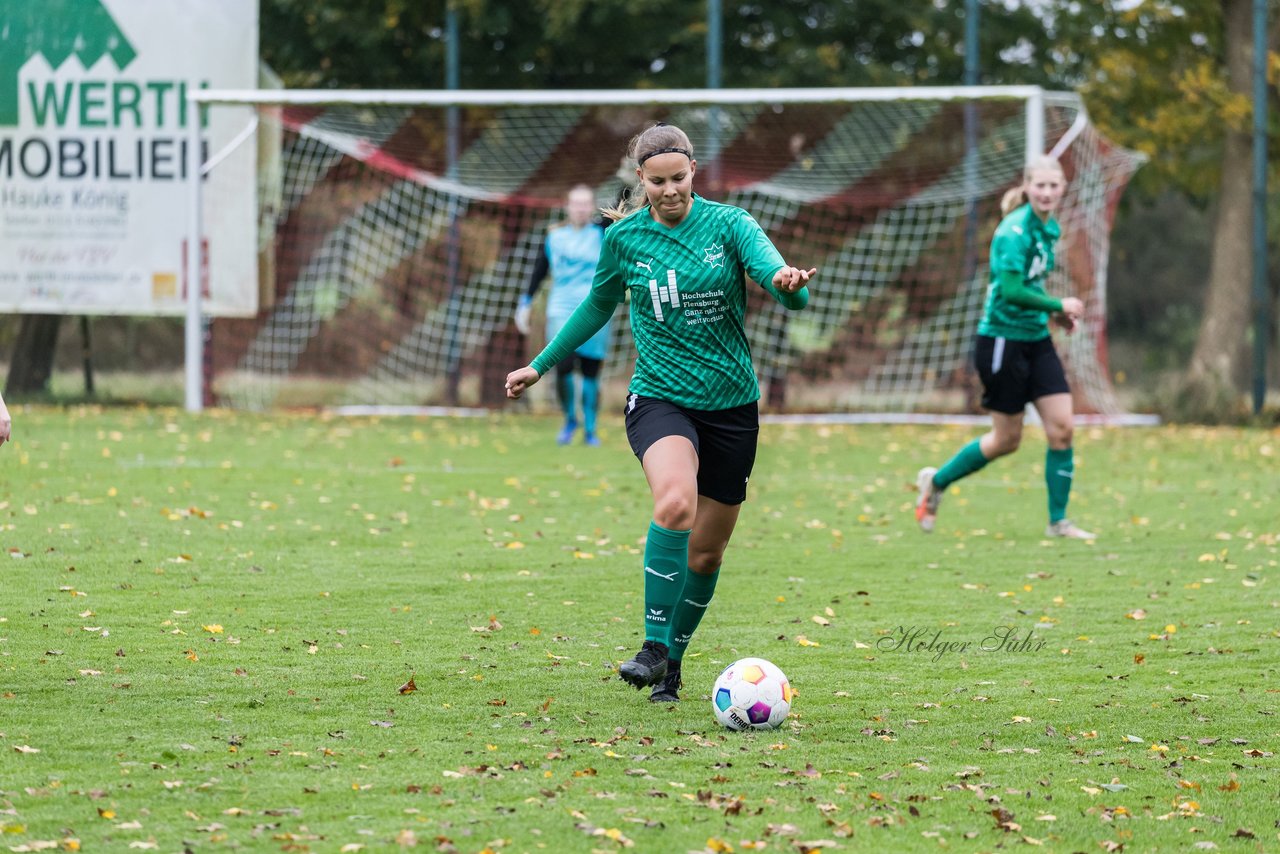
x=566 y=392
x=1059 y=467
x=694 y=599
x=666 y=554
x=590 y=404
x=966 y=461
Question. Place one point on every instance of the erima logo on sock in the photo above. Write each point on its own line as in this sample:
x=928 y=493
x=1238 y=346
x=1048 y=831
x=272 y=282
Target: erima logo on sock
x=652 y=571
x=1066 y=473
x=683 y=640
x=655 y=615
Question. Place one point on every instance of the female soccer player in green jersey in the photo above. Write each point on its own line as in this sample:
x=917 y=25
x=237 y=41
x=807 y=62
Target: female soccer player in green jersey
x=691 y=412
x=1014 y=352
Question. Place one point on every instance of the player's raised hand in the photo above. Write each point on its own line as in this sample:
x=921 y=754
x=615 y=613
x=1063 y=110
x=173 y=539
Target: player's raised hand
x=519 y=380
x=791 y=279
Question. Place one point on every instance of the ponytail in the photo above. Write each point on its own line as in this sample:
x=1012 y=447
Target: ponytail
x=1013 y=199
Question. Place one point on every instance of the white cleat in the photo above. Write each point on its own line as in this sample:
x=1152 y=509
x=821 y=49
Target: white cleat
x=930 y=498
x=1067 y=528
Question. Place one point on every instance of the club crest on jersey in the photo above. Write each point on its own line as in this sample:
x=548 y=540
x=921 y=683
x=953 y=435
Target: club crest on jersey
x=714 y=255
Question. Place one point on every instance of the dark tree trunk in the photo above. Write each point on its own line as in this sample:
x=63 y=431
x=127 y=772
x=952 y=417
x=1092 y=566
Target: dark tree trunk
x=1219 y=362
x=32 y=362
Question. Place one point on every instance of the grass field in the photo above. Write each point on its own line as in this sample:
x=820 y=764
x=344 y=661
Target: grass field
x=208 y=627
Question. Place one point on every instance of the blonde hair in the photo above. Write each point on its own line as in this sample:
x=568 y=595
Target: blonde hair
x=656 y=139
x=1017 y=196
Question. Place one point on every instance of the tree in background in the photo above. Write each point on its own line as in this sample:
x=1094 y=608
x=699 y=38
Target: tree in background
x=551 y=44
x=1174 y=81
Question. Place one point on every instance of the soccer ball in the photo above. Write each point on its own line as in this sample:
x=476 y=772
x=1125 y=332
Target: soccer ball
x=751 y=693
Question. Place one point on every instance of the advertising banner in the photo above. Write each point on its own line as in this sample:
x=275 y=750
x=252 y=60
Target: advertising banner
x=94 y=131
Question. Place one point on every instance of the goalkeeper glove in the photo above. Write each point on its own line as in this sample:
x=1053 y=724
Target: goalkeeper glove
x=523 y=309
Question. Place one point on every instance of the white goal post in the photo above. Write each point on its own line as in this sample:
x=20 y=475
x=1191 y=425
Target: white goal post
x=399 y=228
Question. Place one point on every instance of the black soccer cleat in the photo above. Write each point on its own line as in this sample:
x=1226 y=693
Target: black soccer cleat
x=666 y=690
x=648 y=665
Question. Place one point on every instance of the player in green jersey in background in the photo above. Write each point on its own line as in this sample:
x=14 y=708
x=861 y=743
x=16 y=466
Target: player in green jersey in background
x=691 y=413
x=1014 y=353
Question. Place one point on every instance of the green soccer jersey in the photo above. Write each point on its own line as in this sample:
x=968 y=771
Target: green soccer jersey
x=1022 y=244
x=688 y=302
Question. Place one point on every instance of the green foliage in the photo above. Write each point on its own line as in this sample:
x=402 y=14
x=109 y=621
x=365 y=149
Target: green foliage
x=210 y=625
x=650 y=43
x=1155 y=80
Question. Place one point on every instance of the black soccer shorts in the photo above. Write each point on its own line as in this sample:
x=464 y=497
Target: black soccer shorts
x=724 y=440
x=1015 y=373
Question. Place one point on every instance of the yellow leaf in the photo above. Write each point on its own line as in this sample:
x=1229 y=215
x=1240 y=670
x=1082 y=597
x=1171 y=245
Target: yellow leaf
x=213 y=628
x=822 y=621
x=106 y=813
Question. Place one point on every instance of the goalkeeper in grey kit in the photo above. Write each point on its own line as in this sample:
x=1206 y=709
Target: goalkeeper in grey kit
x=691 y=414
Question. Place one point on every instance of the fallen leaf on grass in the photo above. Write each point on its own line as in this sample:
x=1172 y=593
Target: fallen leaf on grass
x=408 y=687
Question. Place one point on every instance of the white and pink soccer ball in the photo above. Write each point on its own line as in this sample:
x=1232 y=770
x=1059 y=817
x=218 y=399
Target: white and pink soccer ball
x=752 y=693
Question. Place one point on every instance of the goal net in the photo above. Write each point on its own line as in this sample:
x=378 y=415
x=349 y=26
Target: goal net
x=399 y=230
